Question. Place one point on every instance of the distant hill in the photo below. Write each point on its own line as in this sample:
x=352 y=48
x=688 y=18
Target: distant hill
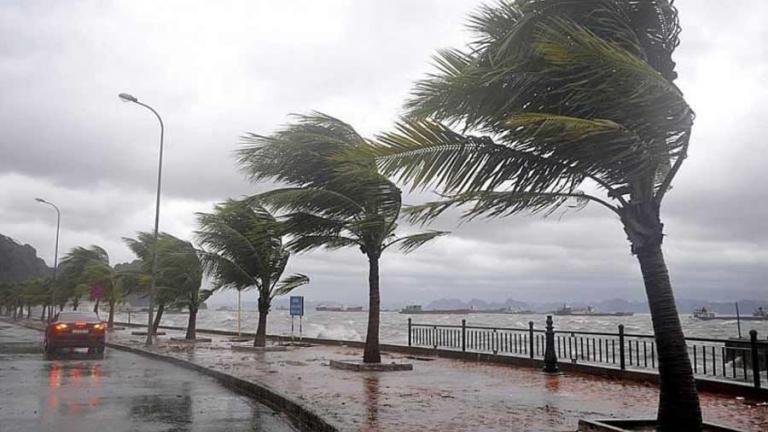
x=19 y=262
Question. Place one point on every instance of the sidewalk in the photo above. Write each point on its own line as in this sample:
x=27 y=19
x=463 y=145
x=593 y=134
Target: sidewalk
x=439 y=394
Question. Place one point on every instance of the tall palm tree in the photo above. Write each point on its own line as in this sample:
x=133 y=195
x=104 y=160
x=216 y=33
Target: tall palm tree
x=331 y=201
x=178 y=275
x=555 y=97
x=242 y=249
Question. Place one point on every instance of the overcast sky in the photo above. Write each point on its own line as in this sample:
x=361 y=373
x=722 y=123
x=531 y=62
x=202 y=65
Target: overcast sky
x=215 y=70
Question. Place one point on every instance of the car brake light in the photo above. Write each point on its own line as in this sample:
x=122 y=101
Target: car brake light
x=80 y=323
x=61 y=326
x=98 y=326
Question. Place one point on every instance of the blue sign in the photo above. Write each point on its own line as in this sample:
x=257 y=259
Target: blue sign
x=297 y=306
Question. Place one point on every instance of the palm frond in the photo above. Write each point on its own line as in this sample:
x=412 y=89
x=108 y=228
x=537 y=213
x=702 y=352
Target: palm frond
x=412 y=242
x=288 y=284
x=492 y=204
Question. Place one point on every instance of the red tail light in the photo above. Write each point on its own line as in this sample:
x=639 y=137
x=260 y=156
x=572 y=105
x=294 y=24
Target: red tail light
x=99 y=327
x=61 y=327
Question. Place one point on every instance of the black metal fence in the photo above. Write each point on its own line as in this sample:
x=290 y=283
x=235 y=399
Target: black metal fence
x=743 y=360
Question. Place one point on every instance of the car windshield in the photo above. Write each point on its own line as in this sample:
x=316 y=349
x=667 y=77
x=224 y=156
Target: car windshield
x=78 y=316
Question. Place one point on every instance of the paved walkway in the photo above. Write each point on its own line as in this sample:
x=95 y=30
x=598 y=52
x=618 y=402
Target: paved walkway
x=442 y=394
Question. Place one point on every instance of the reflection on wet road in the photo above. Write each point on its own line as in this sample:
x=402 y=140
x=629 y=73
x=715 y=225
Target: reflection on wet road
x=123 y=392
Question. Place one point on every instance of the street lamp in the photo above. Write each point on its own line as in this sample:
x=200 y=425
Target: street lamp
x=125 y=97
x=55 y=256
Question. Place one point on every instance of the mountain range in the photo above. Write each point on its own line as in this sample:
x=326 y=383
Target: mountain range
x=19 y=261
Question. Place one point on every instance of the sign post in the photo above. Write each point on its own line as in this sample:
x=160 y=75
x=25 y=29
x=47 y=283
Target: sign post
x=297 y=309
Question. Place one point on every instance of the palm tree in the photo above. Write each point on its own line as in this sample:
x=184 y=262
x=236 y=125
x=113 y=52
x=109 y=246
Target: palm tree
x=242 y=249
x=178 y=275
x=181 y=270
x=332 y=202
x=555 y=98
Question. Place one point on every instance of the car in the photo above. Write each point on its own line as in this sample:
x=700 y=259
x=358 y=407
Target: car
x=76 y=330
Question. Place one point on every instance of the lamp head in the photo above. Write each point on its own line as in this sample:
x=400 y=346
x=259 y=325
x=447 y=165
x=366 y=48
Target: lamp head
x=40 y=200
x=125 y=97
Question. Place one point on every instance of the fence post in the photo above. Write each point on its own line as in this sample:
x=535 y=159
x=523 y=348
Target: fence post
x=622 y=360
x=550 y=358
x=409 y=332
x=530 y=338
x=755 y=358
x=463 y=335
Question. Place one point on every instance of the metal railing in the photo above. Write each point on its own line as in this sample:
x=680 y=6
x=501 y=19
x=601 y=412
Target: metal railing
x=734 y=359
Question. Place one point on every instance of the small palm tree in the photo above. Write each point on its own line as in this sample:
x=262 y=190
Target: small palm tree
x=556 y=97
x=333 y=202
x=180 y=270
x=242 y=249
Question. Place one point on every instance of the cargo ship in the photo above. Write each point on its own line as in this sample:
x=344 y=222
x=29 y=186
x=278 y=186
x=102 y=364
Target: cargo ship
x=589 y=311
x=417 y=310
x=760 y=314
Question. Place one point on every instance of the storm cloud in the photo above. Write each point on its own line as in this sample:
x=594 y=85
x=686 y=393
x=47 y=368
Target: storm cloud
x=218 y=70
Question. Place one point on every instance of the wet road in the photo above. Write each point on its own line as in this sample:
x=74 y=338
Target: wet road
x=123 y=392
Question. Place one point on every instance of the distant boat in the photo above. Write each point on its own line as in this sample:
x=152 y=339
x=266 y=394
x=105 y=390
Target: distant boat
x=417 y=310
x=760 y=314
x=521 y=312
x=589 y=311
x=339 y=309
x=703 y=314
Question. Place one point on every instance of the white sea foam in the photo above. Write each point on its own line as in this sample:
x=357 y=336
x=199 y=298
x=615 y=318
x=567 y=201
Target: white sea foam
x=338 y=332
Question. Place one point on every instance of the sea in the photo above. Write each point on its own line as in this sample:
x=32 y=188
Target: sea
x=394 y=325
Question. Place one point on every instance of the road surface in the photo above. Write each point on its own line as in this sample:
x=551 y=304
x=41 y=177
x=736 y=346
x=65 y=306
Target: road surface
x=123 y=392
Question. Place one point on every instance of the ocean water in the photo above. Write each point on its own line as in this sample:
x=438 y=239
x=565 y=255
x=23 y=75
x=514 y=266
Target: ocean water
x=394 y=326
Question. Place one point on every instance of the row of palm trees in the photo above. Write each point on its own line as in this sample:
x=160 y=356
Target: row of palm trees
x=556 y=104
x=242 y=248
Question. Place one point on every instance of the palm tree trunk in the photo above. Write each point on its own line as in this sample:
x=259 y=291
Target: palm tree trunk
x=371 y=354
x=96 y=306
x=111 y=320
x=75 y=303
x=192 y=323
x=42 y=314
x=29 y=311
x=158 y=317
x=261 y=331
x=679 y=408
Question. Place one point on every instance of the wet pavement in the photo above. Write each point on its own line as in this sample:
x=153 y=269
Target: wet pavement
x=443 y=394
x=122 y=392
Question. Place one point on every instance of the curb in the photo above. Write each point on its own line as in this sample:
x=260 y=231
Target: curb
x=300 y=416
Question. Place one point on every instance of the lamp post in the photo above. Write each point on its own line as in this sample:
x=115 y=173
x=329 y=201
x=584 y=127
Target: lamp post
x=150 y=331
x=55 y=256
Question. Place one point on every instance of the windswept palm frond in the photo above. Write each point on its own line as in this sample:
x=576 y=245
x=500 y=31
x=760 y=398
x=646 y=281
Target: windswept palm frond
x=290 y=283
x=410 y=243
